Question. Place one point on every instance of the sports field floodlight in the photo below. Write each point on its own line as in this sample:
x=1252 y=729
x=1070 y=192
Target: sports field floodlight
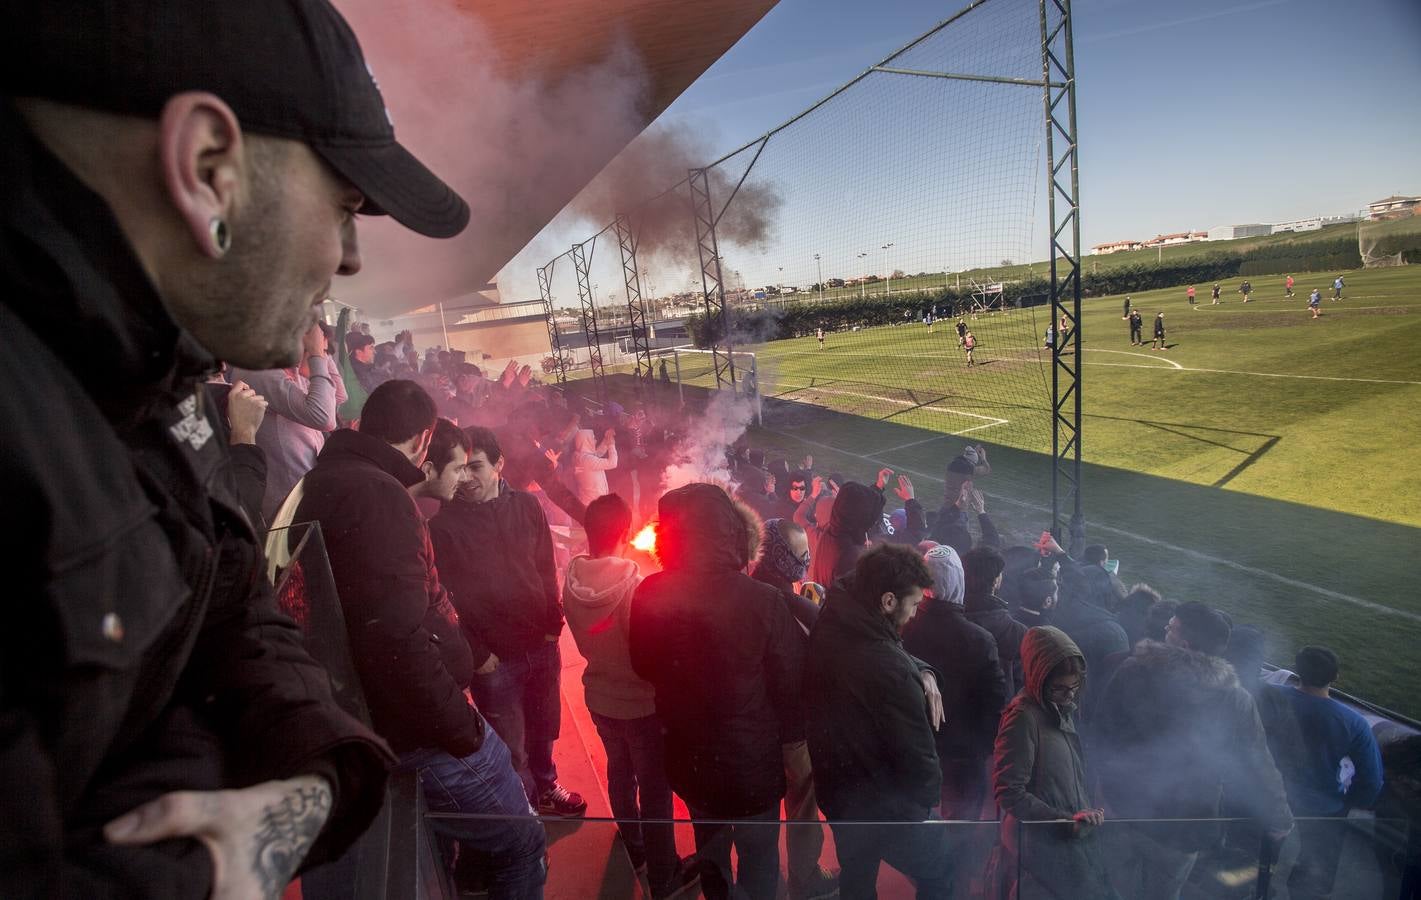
x=887 y=272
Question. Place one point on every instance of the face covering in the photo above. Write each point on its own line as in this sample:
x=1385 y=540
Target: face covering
x=776 y=552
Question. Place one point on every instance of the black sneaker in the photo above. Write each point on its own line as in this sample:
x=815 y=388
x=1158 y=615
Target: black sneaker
x=559 y=801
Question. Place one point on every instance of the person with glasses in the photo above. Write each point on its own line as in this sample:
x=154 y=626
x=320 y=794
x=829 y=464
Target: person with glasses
x=1039 y=777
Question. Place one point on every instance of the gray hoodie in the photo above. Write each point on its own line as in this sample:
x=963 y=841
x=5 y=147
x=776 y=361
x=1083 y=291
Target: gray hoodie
x=597 y=600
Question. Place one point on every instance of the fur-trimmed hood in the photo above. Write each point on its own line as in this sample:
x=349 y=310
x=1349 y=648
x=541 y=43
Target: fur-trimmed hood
x=1200 y=671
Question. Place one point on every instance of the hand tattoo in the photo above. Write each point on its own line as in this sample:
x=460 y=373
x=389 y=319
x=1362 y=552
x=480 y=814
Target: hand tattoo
x=287 y=831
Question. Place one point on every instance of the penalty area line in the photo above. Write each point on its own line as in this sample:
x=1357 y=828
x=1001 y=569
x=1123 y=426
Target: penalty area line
x=1173 y=548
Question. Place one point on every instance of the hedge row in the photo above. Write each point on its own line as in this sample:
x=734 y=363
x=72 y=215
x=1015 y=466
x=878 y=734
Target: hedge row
x=799 y=319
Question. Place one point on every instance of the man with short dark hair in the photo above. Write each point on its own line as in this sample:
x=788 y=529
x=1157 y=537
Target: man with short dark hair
x=597 y=600
x=171 y=197
x=1314 y=746
x=1173 y=733
x=404 y=634
x=870 y=731
x=496 y=552
x=361 y=348
x=445 y=467
x=982 y=569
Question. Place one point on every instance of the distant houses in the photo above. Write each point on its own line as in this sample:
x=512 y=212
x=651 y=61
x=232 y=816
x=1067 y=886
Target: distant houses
x=1394 y=207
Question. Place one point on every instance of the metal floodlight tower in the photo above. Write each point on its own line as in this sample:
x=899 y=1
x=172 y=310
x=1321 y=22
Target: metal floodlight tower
x=582 y=262
x=636 y=308
x=712 y=287
x=1058 y=76
x=545 y=290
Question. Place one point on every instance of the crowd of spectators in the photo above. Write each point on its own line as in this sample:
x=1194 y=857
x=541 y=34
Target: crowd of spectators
x=805 y=646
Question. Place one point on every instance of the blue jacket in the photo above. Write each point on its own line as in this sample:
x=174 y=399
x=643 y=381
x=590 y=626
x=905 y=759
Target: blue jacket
x=1327 y=731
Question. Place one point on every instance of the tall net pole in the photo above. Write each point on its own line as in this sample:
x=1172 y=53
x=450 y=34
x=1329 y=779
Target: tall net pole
x=636 y=308
x=1058 y=76
x=712 y=285
x=545 y=290
x=588 y=316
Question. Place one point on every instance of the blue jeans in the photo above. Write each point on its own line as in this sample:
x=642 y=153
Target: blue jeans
x=757 y=848
x=520 y=700
x=484 y=782
x=637 y=788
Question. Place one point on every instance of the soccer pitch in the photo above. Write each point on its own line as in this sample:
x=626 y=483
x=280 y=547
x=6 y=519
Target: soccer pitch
x=1265 y=463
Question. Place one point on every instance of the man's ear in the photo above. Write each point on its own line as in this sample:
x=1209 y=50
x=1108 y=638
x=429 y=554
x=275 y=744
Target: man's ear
x=886 y=601
x=422 y=447
x=201 y=154
x=498 y=466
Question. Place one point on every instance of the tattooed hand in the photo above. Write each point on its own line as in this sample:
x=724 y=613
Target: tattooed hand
x=257 y=836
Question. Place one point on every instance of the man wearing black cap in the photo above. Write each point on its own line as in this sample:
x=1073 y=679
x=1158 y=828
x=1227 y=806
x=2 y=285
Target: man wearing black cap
x=180 y=180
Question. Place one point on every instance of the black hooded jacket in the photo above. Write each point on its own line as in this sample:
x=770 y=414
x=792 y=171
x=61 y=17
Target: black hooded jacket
x=143 y=651
x=870 y=741
x=720 y=649
x=404 y=635
x=857 y=508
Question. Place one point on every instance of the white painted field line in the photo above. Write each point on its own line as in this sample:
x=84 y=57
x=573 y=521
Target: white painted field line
x=1133 y=353
x=936 y=437
x=1179 y=368
x=990 y=420
x=1173 y=548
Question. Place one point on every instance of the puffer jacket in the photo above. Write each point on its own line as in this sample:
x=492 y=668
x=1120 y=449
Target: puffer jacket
x=717 y=646
x=1172 y=734
x=857 y=508
x=1039 y=775
x=866 y=721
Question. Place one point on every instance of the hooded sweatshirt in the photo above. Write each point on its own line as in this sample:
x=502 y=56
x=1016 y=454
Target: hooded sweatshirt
x=597 y=601
x=857 y=508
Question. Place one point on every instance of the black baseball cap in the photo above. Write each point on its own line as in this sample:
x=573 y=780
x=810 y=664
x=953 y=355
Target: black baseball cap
x=287 y=68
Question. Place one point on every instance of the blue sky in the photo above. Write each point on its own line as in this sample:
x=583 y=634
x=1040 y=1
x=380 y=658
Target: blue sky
x=1189 y=116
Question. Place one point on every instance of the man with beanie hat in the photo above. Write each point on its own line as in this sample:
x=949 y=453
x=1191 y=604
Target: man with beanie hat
x=974 y=690
x=181 y=182
x=717 y=646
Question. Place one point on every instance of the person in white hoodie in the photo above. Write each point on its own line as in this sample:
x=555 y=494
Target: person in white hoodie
x=591 y=462
x=597 y=596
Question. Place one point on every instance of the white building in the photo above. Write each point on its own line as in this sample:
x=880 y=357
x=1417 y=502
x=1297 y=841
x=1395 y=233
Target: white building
x=1116 y=247
x=1393 y=207
x=1313 y=224
x=1232 y=232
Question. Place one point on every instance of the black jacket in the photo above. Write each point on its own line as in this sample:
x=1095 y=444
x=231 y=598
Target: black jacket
x=857 y=508
x=870 y=741
x=719 y=648
x=404 y=636
x=991 y=613
x=974 y=690
x=143 y=652
x=497 y=561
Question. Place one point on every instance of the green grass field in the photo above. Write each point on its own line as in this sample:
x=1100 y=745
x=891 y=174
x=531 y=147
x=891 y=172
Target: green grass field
x=1265 y=462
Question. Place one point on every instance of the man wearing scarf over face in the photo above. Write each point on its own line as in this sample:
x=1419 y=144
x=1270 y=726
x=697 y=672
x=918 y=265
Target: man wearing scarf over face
x=784 y=562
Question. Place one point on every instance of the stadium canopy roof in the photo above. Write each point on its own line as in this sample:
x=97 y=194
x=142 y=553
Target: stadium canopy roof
x=518 y=105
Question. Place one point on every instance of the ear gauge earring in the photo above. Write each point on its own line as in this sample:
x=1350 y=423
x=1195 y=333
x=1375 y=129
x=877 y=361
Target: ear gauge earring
x=221 y=235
